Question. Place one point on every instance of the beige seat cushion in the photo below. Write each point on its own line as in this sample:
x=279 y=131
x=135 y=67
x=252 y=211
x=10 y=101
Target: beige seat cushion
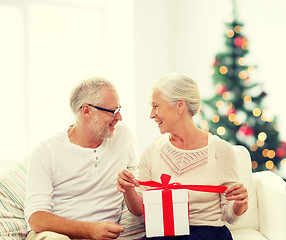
x=12 y=195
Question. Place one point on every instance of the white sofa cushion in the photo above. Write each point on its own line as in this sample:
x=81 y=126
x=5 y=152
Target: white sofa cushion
x=250 y=218
x=271 y=193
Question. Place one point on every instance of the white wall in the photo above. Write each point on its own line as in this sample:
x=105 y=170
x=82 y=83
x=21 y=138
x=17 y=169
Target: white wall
x=130 y=42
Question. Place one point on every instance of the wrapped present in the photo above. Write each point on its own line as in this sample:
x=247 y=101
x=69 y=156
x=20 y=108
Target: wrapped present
x=166 y=206
x=166 y=212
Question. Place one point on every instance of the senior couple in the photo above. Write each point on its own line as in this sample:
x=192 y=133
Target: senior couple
x=77 y=178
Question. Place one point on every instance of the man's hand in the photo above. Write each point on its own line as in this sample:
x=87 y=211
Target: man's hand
x=105 y=230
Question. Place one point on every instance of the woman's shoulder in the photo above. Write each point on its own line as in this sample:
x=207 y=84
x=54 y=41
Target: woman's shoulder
x=221 y=146
x=219 y=142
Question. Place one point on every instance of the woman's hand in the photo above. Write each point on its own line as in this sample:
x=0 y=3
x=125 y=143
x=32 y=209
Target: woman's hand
x=238 y=193
x=125 y=181
x=126 y=184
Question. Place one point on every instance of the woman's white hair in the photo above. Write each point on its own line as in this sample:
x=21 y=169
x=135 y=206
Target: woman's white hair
x=174 y=87
x=88 y=91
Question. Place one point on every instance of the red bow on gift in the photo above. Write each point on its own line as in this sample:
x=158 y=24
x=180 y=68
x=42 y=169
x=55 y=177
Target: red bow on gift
x=165 y=179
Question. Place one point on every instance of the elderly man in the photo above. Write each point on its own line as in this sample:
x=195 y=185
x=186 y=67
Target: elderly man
x=71 y=183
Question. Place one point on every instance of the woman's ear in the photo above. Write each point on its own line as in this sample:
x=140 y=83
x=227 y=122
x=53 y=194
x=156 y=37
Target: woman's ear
x=181 y=103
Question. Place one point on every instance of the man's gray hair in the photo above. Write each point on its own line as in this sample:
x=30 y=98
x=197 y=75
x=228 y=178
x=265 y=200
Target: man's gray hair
x=88 y=91
x=174 y=87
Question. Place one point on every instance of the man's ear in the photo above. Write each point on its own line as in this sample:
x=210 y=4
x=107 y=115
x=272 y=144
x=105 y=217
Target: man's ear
x=85 y=111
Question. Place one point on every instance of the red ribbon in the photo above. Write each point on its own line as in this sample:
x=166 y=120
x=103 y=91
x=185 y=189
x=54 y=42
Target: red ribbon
x=165 y=179
x=167 y=200
x=168 y=213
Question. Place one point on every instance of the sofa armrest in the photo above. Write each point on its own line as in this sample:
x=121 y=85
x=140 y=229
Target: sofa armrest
x=271 y=195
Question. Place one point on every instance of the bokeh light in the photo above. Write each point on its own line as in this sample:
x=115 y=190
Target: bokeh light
x=262 y=136
x=269 y=164
x=243 y=75
x=226 y=95
x=271 y=154
x=254 y=164
x=221 y=130
x=230 y=33
x=232 y=117
x=264 y=152
x=260 y=143
x=223 y=70
x=253 y=147
x=219 y=104
x=241 y=61
x=247 y=99
x=256 y=112
x=215 y=118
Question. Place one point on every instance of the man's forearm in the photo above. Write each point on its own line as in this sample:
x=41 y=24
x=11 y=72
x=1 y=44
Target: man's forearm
x=44 y=221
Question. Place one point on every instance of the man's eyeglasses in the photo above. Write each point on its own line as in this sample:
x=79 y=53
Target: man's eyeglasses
x=114 y=112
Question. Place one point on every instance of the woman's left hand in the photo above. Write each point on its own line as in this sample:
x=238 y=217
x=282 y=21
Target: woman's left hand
x=238 y=193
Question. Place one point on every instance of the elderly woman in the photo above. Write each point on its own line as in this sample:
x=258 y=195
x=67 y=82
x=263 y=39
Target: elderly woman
x=190 y=156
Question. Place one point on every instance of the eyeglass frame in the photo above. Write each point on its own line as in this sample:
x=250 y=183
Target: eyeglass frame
x=114 y=112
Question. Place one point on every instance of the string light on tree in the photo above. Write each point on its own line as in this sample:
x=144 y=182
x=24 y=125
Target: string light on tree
x=215 y=118
x=262 y=136
x=260 y=143
x=251 y=68
x=264 y=152
x=243 y=75
x=219 y=104
x=247 y=99
x=253 y=147
x=223 y=70
x=232 y=117
x=221 y=130
x=237 y=29
x=269 y=165
x=254 y=164
x=229 y=33
x=256 y=112
x=241 y=61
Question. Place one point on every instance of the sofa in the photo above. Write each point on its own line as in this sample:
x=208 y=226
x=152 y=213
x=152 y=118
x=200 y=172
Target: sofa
x=264 y=220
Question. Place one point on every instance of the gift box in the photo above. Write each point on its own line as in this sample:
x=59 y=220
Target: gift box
x=166 y=212
x=166 y=206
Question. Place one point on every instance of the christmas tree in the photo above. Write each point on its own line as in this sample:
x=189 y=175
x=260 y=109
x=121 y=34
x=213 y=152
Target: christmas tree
x=236 y=112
